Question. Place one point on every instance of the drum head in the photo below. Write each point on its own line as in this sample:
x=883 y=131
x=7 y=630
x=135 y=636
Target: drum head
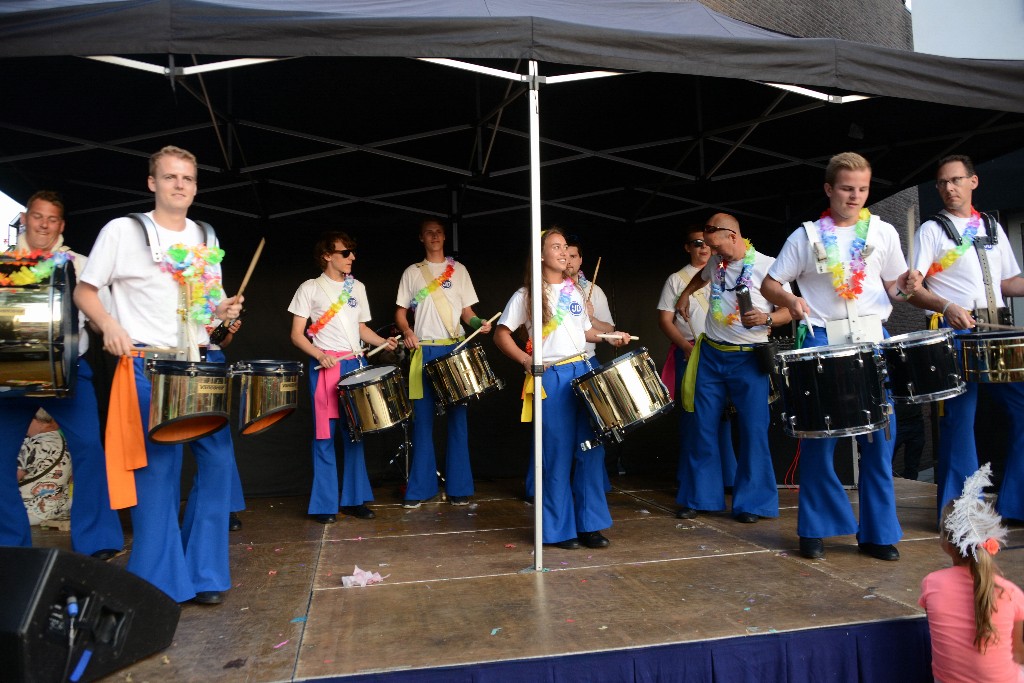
x=917 y=338
x=269 y=367
x=367 y=375
x=183 y=367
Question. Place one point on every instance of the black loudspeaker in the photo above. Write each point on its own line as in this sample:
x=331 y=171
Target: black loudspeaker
x=120 y=617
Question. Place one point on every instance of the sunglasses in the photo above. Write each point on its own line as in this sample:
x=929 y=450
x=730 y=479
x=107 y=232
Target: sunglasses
x=696 y=243
x=711 y=229
x=345 y=253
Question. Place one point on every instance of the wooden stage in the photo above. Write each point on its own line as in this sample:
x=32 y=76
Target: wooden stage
x=459 y=588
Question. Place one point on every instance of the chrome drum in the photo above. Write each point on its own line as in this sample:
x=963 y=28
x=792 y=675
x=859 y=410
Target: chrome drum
x=373 y=398
x=268 y=392
x=461 y=375
x=188 y=400
x=992 y=357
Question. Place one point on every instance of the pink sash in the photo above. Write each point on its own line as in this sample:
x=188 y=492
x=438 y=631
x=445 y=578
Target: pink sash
x=325 y=400
x=668 y=371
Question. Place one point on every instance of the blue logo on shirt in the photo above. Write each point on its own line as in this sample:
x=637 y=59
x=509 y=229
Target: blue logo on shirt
x=576 y=308
x=447 y=284
x=352 y=302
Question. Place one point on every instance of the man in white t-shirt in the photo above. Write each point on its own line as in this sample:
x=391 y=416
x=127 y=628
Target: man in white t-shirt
x=867 y=252
x=336 y=305
x=726 y=367
x=955 y=289
x=136 y=261
x=95 y=528
x=440 y=293
x=682 y=334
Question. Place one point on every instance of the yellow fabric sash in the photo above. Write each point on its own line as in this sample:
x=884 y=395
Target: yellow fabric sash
x=933 y=324
x=416 y=365
x=690 y=376
x=527 y=414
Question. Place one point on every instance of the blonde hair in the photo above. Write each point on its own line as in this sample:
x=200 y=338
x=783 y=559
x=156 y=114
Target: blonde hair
x=983 y=570
x=847 y=161
x=172 y=151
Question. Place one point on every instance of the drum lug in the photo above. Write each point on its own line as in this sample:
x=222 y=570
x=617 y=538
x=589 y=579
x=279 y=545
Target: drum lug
x=887 y=409
x=589 y=445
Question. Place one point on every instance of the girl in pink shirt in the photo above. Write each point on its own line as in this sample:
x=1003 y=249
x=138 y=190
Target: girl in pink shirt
x=975 y=616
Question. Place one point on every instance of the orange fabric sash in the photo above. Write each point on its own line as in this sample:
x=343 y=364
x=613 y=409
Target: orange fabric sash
x=125 y=438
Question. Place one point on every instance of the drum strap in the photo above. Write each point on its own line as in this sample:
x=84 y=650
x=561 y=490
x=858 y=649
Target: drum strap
x=153 y=241
x=416 y=364
x=441 y=303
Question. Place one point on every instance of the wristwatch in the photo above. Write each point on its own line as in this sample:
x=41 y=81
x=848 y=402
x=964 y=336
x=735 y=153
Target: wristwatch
x=768 y=322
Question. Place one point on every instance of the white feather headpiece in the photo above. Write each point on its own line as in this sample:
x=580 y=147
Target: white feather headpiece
x=973 y=522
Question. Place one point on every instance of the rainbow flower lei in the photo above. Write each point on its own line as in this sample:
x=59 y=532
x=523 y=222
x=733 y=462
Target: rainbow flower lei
x=346 y=294
x=36 y=266
x=718 y=282
x=435 y=283
x=846 y=288
x=564 y=299
x=192 y=268
x=966 y=242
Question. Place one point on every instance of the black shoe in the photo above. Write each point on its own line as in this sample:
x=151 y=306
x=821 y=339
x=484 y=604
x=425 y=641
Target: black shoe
x=686 y=513
x=528 y=500
x=746 y=518
x=459 y=500
x=594 y=539
x=879 y=552
x=812 y=548
x=106 y=554
x=358 y=511
x=568 y=544
x=325 y=519
x=209 y=597
x=234 y=523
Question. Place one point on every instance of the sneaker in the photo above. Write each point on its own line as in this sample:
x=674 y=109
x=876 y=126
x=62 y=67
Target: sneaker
x=459 y=500
x=411 y=504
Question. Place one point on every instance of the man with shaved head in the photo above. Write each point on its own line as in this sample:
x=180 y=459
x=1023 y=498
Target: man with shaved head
x=725 y=366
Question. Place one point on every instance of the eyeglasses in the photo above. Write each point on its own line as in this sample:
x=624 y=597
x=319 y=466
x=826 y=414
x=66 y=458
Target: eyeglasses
x=712 y=229
x=955 y=182
x=696 y=243
x=345 y=253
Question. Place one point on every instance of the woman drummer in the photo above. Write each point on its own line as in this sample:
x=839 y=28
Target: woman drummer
x=575 y=508
x=336 y=303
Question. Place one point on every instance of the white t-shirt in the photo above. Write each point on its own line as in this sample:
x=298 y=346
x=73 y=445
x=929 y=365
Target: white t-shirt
x=699 y=302
x=144 y=298
x=313 y=297
x=601 y=311
x=796 y=261
x=736 y=333
x=458 y=290
x=962 y=283
x=568 y=339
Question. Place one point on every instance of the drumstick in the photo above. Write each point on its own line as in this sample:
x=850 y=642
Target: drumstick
x=619 y=336
x=466 y=340
x=590 y=290
x=997 y=326
x=252 y=266
x=910 y=236
x=382 y=346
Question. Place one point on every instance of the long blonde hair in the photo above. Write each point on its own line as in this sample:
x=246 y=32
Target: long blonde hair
x=547 y=308
x=983 y=570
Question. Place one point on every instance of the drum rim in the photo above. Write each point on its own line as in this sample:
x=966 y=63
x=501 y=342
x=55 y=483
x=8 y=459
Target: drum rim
x=453 y=353
x=927 y=336
x=390 y=369
x=608 y=366
x=830 y=351
x=932 y=397
x=976 y=337
x=202 y=368
x=833 y=433
x=297 y=364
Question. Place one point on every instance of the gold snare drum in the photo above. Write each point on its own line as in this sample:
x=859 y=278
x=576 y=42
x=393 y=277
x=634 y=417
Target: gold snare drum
x=373 y=398
x=991 y=357
x=461 y=375
x=188 y=400
x=268 y=392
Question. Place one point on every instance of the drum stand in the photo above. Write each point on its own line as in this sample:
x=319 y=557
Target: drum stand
x=403 y=451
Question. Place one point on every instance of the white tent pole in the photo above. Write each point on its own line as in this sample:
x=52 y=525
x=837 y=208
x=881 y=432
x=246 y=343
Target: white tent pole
x=536 y=300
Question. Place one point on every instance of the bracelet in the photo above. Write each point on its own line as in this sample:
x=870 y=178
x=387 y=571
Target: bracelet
x=943 y=314
x=768 y=321
x=475 y=322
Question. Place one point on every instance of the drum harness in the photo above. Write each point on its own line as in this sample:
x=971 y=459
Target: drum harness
x=994 y=314
x=156 y=250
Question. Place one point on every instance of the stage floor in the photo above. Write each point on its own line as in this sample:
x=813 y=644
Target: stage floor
x=459 y=586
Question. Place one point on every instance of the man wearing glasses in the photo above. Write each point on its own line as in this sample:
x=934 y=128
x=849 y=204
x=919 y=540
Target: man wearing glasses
x=953 y=250
x=596 y=300
x=682 y=335
x=726 y=367
x=847 y=264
